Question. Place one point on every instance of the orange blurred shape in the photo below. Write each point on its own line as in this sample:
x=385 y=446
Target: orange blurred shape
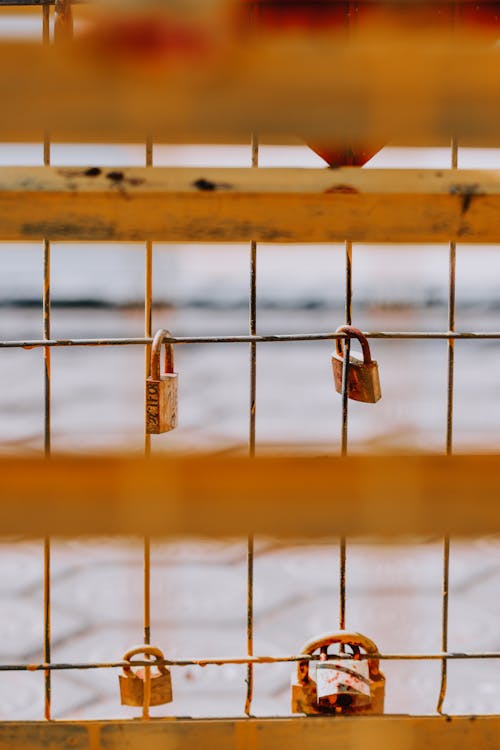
x=148 y=38
x=316 y=16
x=349 y=17
x=337 y=155
x=338 y=14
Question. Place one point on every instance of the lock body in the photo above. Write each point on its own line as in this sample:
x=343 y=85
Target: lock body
x=363 y=382
x=305 y=701
x=161 y=403
x=342 y=683
x=132 y=688
x=342 y=686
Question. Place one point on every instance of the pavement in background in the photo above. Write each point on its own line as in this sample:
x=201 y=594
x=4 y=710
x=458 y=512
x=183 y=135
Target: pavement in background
x=198 y=610
x=199 y=590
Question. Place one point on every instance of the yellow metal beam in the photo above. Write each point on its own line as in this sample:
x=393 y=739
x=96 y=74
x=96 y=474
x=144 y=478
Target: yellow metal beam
x=285 y=497
x=344 y=733
x=235 y=205
x=384 y=85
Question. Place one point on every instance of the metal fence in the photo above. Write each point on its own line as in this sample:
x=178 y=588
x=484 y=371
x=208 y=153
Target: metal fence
x=47 y=343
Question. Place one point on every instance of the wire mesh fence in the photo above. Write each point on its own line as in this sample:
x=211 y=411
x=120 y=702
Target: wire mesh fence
x=244 y=667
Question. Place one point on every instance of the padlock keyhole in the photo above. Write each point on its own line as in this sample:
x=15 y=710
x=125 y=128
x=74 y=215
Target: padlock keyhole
x=344 y=700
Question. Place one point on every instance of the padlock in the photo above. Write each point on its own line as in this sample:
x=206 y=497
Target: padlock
x=363 y=383
x=342 y=686
x=132 y=682
x=161 y=389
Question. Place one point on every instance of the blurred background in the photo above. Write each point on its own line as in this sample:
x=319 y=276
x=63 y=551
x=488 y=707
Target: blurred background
x=199 y=589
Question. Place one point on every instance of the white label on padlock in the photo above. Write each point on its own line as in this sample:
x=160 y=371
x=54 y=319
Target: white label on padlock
x=342 y=676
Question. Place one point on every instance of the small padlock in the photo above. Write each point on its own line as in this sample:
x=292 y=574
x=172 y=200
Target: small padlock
x=363 y=383
x=342 y=686
x=161 y=389
x=132 y=682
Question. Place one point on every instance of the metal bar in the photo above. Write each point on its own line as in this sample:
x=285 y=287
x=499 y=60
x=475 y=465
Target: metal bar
x=449 y=445
x=394 y=495
x=345 y=416
x=239 y=205
x=148 y=333
x=293 y=733
x=271 y=338
x=33 y=3
x=222 y=661
x=411 y=85
x=251 y=435
x=47 y=411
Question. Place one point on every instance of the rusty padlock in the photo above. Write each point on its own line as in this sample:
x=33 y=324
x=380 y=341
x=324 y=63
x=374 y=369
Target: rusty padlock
x=342 y=686
x=363 y=383
x=132 y=682
x=161 y=389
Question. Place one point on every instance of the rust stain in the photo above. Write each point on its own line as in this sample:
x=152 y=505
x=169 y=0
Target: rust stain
x=120 y=181
x=209 y=186
x=93 y=172
x=343 y=189
x=467 y=193
x=95 y=230
x=115 y=177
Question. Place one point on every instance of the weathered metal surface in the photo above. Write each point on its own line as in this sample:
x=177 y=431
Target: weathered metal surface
x=344 y=733
x=232 y=205
x=305 y=691
x=363 y=383
x=149 y=685
x=161 y=388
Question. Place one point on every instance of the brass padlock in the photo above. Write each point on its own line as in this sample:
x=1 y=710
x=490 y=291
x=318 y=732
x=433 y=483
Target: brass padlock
x=363 y=383
x=161 y=389
x=132 y=682
x=342 y=686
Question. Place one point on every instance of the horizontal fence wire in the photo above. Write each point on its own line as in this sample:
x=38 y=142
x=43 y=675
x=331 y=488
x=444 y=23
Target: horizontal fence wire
x=34 y=3
x=270 y=338
x=220 y=662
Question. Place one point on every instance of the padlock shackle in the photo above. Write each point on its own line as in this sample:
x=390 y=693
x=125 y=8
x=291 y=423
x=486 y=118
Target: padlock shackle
x=342 y=637
x=147 y=651
x=352 y=332
x=158 y=341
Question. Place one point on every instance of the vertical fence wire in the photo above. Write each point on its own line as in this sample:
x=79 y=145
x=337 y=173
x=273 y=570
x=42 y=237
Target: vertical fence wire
x=345 y=415
x=251 y=437
x=148 y=332
x=449 y=446
x=47 y=409
x=345 y=375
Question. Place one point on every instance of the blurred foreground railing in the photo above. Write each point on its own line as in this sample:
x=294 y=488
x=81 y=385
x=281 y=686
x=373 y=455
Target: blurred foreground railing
x=298 y=497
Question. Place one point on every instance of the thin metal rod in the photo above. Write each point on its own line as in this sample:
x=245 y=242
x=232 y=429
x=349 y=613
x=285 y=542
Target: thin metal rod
x=47 y=411
x=270 y=338
x=222 y=661
x=347 y=347
x=345 y=419
x=148 y=332
x=34 y=3
x=449 y=447
x=251 y=437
